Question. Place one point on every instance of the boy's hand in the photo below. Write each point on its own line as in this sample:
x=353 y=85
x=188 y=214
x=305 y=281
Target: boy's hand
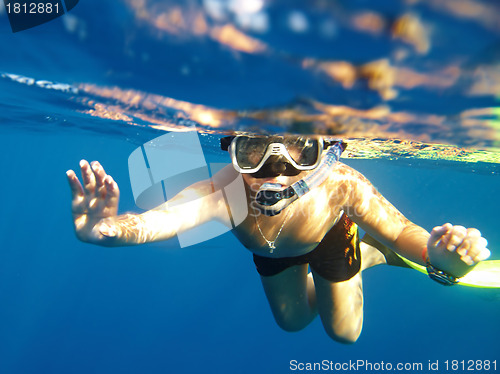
x=96 y=200
x=455 y=249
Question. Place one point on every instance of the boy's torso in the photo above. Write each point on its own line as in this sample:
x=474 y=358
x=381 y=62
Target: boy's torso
x=303 y=224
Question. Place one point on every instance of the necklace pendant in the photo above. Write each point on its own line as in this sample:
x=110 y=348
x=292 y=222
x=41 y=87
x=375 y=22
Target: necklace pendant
x=270 y=243
x=272 y=247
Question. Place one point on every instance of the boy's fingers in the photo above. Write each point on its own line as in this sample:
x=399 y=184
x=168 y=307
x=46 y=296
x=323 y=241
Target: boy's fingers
x=437 y=235
x=98 y=165
x=75 y=185
x=456 y=237
x=482 y=255
x=112 y=192
x=478 y=251
x=464 y=248
x=473 y=250
x=473 y=233
x=98 y=173
x=88 y=177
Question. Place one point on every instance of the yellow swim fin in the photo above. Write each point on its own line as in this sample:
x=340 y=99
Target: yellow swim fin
x=486 y=274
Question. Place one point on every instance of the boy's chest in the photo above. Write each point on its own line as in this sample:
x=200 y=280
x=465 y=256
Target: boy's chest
x=295 y=231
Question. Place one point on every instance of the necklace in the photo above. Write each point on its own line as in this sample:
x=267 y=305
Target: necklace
x=271 y=243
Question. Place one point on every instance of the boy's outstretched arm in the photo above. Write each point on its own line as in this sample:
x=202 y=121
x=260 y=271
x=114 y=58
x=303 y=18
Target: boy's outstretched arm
x=95 y=207
x=453 y=249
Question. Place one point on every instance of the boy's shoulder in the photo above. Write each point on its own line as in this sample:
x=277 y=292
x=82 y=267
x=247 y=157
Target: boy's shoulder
x=347 y=176
x=342 y=169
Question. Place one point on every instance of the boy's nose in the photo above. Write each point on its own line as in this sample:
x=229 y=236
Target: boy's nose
x=278 y=168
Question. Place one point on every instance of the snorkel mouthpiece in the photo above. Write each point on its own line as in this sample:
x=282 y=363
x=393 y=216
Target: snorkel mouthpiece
x=272 y=198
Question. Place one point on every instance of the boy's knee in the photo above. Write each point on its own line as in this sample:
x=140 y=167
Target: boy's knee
x=291 y=319
x=344 y=335
x=290 y=324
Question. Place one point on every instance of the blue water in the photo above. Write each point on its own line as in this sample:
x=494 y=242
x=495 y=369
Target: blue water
x=70 y=307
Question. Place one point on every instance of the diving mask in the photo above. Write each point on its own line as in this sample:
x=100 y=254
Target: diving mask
x=250 y=153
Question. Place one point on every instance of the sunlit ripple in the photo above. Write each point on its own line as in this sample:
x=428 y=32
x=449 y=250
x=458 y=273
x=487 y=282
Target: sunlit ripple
x=371 y=133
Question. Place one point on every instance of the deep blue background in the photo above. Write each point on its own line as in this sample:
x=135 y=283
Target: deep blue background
x=73 y=307
x=70 y=307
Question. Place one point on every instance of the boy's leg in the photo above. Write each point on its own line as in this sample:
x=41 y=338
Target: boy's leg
x=370 y=256
x=292 y=297
x=295 y=298
x=375 y=253
x=340 y=304
x=340 y=307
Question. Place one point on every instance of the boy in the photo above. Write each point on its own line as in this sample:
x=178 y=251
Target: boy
x=304 y=207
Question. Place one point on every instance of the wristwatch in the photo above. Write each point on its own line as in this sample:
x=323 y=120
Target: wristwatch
x=436 y=274
x=440 y=276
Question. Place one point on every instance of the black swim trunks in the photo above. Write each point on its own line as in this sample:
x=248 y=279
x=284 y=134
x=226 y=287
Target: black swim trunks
x=336 y=258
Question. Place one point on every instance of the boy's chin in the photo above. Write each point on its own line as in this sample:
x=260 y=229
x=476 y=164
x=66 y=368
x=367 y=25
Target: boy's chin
x=282 y=180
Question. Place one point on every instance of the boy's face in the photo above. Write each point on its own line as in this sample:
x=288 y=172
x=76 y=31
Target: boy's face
x=255 y=182
x=281 y=160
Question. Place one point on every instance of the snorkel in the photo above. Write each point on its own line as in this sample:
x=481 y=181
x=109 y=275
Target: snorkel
x=272 y=198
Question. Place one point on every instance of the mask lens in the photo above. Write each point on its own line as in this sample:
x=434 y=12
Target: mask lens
x=250 y=151
x=304 y=151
